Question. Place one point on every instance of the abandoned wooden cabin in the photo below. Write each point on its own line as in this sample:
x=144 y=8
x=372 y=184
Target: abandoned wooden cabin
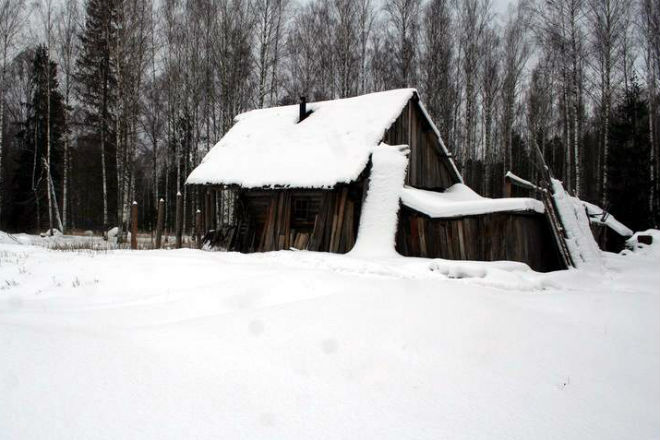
x=301 y=175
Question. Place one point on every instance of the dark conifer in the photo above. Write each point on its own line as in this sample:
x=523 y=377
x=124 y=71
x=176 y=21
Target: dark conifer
x=30 y=181
x=96 y=78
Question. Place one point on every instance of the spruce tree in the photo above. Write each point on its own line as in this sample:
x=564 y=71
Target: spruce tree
x=628 y=185
x=31 y=180
x=96 y=78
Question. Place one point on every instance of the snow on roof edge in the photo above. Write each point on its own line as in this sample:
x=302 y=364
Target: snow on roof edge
x=459 y=200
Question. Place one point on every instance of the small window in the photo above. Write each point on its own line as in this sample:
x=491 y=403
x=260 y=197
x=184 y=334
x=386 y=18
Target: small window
x=301 y=210
x=304 y=212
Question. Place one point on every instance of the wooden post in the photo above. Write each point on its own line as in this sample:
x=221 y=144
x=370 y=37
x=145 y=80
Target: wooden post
x=179 y=220
x=159 y=223
x=208 y=217
x=198 y=228
x=507 y=186
x=134 y=225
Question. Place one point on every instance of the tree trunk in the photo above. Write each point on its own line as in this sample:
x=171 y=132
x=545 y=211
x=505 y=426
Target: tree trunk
x=48 y=146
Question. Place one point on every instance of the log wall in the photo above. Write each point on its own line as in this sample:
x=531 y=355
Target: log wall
x=523 y=237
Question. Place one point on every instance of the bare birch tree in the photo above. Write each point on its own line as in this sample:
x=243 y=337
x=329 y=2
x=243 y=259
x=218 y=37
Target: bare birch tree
x=11 y=20
x=438 y=56
x=515 y=55
x=606 y=21
x=473 y=19
x=402 y=24
x=67 y=28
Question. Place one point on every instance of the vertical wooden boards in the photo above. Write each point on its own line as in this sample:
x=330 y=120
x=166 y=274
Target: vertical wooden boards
x=208 y=212
x=421 y=226
x=523 y=237
x=272 y=217
x=428 y=166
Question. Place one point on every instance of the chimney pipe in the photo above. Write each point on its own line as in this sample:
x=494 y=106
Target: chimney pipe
x=303 y=108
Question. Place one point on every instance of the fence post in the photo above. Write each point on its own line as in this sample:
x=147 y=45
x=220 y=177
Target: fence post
x=207 y=211
x=159 y=223
x=179 y=220
x=134 y=225
x=198 y=228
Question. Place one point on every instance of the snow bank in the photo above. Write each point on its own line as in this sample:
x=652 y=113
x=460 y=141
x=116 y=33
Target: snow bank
x=300 y=345
x=332 y=145
x=459 y=200
x=580 y=240
x=596 y=214
x=379 y=217
x=6 y=238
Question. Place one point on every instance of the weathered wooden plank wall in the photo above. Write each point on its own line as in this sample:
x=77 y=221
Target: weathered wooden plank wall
x=428 y=167
x=269 y=222
x=500 y=236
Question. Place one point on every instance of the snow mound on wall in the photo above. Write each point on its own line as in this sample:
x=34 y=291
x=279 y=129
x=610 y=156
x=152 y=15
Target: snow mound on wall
x=268 y=147
x=580 y=240
x=596 y=214
x=459 y=200
x=378 y=221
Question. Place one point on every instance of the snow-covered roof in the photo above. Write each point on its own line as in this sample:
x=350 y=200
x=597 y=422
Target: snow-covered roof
x=268 y=147
x=459 y=200
x=599 y=216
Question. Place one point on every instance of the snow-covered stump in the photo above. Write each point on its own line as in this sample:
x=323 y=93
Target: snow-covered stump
x=378 y=221
x=179 y=220
x=134 y=225
x=159 y=223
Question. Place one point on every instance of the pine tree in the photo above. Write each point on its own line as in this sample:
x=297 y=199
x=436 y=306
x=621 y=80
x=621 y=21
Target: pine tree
x=97 y=79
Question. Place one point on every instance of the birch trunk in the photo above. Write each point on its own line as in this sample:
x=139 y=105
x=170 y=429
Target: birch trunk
x=51 y=191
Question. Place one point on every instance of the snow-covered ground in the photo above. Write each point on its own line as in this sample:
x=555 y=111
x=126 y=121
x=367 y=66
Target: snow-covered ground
x=175 y=344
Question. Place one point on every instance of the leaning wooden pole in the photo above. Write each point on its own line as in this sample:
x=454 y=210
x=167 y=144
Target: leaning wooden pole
x=159 y=223
x=134 y=225
x=179 y=220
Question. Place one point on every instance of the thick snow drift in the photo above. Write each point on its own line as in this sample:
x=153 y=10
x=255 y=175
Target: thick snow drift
x=378 y=220
x=459 y=200
x=332 y=145
x=299 y=345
